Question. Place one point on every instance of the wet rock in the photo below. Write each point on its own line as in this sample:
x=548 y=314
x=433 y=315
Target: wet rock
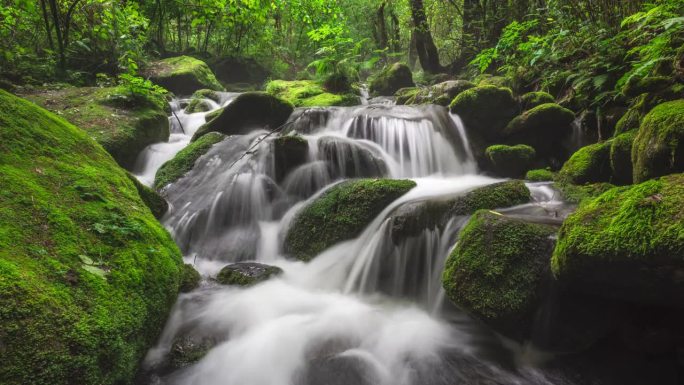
x=187 y=350
x=183 y=75
x=309 y=93
x=190 y=279
x=197 y=105
x=391 y=79
x=183 y=162
x=534 y=99
x=545 y=127
x=485 y=110
x=349 y=159
x=621 y=158
x=156 y=203
x=247 y=273
x=510 y=161
x=590 y=164
x=290 y=152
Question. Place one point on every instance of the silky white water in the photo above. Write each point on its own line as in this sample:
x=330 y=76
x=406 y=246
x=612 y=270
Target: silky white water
x=369 y=310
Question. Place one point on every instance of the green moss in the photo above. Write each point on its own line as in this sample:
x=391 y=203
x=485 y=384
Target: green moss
x=621 y=158
x=87 y=274
x=248 y=111
x=407 y=95
x=485 y=110
x=391 y=79
x=628 y=243
x=174 y=169
x=122 y=125
x=510 y=161
x=197 y=105
x=496 y=270
x=183 y=75
x=247 y=273
x=190 y=279
x=308 y=93
x=207 y=94
x=659 y=144
x=637 y=86
x=549 y=119
x=155 y=202
x=341 y=213
x=534 y=99
x=589 y=164
x=577 y=194
x=631 y=120
x=540 y=175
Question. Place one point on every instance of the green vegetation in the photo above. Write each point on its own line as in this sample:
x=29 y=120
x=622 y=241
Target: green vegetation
x=510 y=161
x=533 y=99
x=87 y=274
x=485 y=110
x=174 y=169
x=341 y=213
x=156 y=203
x=247 y=273
x=391 y=79
x=540 y=175
x=190 y=279
x=308 y=93
x=183 y=75
x=496 y=271
x=621 y=158
x=590 y=164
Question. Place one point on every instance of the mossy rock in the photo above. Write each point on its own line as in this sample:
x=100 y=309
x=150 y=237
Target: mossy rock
x=573 y=193
x=659 y=144
x=411 y=219
x=391 y=79
x=187 y=350
x=540 y=175
x=183 y=75
x=183 y=162
x=636 y=86
x=197 y=105
x=621 y=158
x=627 y=244
x=341 y=213
x=248 y=111
x=87 y=274
x=337 y=83
x=589 y=164
x=290 y=152
x=309 y=93
x=534 y=99
x=190 y=279
x=407 y=95
x=156 y=203
x=497 y=269
x=490 y=80
x=247 y=273
x=207 y=94
x=510 y=161
x=544 y=127
x=124 y=125
x=440 y=94
x=485 y=110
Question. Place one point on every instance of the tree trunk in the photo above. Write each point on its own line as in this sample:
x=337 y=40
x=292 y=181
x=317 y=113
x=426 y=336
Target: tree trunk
x=427 y=50
x=60 y=43
x=48 y=29
x=381 y=27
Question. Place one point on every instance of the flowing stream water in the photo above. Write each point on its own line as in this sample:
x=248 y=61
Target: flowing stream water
x=369 y=310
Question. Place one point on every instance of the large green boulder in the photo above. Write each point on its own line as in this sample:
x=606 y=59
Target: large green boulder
x=621 y=158
x=534 y=99
x=497 y=269
x=545 y=127
x=341 y=213
x=540 y=175
x=248 y=111
x=308 y=93
x=157 y=204
x=87 y=274
x=627 y=244
x=183 y=162
x=391 y=79
x=122 y=122
x=659 y=144
x=510 y=161
x=485 y=110
x=589 y=164
x=183 y=75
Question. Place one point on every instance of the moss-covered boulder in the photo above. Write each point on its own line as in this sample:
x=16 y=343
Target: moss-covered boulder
x=540 y=175
x=156 y=203
x=122 y=123
x=621 y=158
x=87 y=274
x=340 y=213
x=589 y=164
x=246 y=273
x=190 y=279
x=391 y=79
x=659 y=144
x=248 y=111
x=485 y=110
x=197 y=105
x=510 y=161
x=534 y=99
x=545 y=127
x=183 y=162
x=206 y=93
x=496 y=271
x=636 y=86
x=627 y=244
x=412 y=218
x=290 y=152
x=187 y=350
x=337 y=83
x=183 y=75
x=441 y=93
x=309 y=93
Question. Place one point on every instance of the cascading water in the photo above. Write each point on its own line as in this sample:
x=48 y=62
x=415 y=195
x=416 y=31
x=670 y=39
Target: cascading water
x=365 y=311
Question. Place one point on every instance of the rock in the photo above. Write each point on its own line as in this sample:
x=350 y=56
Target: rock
x=340 y=213
x=87 y=274
x=545 y=127
x=539 y=175
x=186 y=350
x=183 y=162
x=248 y=111
x=636 y=86
x=589 y=164
x=453 y=87
x=190 y=279
x=123 y=124
x=207 y=94
x=290 y=152
x=621 y=158
x=391 y=79
x=349 y=159
x=485 y=110
x=231 y=70
x=183 y=75
x=497 y=269
x=337 y=83
x=440 y=94
x=152 y=199
x=197 y=105
x=534 y=99
x=247 y=273
x=410 y=219
x=659 y=144
x=489 y=80
x=407 y=95
x=510 y=161
x=308 y=93
x=627 y=244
